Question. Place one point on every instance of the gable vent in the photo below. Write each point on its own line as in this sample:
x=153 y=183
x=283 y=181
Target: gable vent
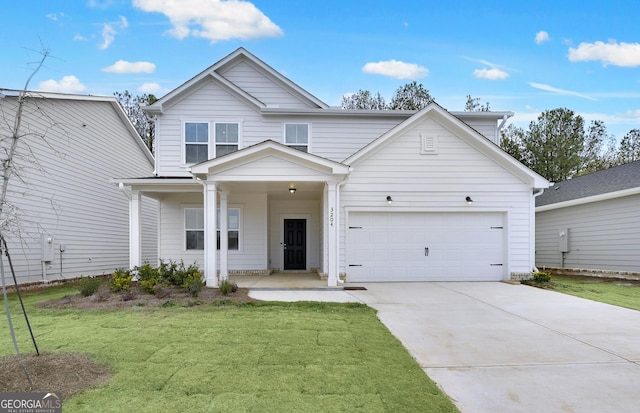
x=429 y=143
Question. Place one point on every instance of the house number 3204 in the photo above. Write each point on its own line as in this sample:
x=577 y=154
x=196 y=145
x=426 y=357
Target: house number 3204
x=331 y=216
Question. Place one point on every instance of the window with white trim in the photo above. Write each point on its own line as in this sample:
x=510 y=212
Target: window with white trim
x=194 y=228
x=226 y=138
x=196 y=142
x=233 y=229
x=296 y=135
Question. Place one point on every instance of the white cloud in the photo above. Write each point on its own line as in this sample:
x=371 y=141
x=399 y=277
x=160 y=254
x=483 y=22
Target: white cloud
x=68 y=84
x=617 y=54
x=108 y=36
x=542 y=37
x=122 y=66
x=214 y=20
x=396 y=69
x=55 y=16
x=153 y=88
x=490 y=74
x=552 y=89
x=109 y=33
x=79 y=38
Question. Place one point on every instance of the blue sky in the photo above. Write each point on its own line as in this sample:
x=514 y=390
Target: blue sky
x=525 y=57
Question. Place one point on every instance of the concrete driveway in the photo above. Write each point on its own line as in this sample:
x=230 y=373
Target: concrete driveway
x=496 y=347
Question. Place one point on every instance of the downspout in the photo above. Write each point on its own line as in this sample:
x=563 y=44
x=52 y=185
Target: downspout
x=338 y=186
x=532 y=232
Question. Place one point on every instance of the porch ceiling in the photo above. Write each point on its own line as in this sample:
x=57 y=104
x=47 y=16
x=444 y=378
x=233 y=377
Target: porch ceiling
x=277 y=190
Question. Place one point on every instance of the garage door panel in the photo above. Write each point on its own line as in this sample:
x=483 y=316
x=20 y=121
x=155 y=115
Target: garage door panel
x=461 y=246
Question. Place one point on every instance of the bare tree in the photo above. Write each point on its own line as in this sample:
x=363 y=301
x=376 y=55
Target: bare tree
x=8 y=219
x=132 y=107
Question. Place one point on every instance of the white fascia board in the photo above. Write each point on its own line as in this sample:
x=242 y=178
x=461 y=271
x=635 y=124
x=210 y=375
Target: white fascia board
x=589 y=199
x=336 y=112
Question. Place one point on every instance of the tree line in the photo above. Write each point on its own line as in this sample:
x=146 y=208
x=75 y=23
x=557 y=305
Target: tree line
x=558 y=144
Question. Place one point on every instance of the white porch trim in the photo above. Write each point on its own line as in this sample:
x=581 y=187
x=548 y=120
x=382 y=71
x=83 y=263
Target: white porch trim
x=135 y=230
x=210 y=234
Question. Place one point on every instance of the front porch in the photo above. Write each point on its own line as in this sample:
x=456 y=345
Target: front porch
x=282 y=280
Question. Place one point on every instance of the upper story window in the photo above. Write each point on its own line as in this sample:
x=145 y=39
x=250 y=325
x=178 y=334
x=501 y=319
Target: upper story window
x=226 y=138
x=296 y=135
x=196 y=142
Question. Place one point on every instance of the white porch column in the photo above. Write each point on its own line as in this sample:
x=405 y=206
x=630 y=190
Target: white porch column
x=332 y=234
x=135 y=230
x=224 y=236
x=325 y=232
x=210 y=235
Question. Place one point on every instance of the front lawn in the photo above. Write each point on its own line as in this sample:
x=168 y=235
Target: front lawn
x=622 y=293
x=266 y=357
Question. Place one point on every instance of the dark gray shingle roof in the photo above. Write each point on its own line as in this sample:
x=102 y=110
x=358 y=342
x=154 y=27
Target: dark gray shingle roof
x=609 y=180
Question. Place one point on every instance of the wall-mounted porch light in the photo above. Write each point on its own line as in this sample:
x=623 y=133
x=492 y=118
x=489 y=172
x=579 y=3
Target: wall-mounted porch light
x=469 y=200
x=292 y=190
x=389 y=200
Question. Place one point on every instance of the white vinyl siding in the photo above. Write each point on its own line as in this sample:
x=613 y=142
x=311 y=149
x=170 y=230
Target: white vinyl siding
x=603 y=235
x=262 y=87
x=419 y=183
x=68 y=194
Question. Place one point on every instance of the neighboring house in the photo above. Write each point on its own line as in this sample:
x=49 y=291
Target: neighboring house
x=255 y=174
x=591 y=222
x=71 y=220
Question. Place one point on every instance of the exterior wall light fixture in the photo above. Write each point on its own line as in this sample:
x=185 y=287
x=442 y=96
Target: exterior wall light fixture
x=389 y=200
x=469 y=200
x=292 y=190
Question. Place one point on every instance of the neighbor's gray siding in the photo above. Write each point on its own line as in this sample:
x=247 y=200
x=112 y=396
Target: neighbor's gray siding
x=63 y=188
x=603 y=235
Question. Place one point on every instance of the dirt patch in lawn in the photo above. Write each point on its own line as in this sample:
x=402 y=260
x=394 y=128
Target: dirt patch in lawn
x=169 y=296
x=67 y=373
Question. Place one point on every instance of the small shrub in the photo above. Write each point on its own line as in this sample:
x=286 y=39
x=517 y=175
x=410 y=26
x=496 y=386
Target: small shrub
x=169 y=303
x=541 y=277
x=227 y=287
x=149 y=278
x=194 y=286
x=88 y=286
x=120 y=280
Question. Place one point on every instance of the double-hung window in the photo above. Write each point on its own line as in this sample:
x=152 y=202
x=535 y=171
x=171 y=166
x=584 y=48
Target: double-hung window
x=196 y=142
x=194 y=228
x=226 y=138
x=296 y=135
x=233 y=229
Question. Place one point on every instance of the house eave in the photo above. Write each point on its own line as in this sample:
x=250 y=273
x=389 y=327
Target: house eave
x=589 y=199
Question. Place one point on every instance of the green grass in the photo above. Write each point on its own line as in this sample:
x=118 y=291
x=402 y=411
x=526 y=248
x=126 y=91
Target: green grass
x=618 y=292
x=269 y=357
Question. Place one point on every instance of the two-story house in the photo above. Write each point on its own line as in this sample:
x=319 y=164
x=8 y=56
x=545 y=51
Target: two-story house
x=255 y=174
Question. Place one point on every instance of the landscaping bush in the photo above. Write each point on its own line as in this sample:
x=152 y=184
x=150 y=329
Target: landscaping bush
x=88 y=286
x=541 y=277
x=192 y=280
x=227 y=287
x=120 y=280
x=149 y=278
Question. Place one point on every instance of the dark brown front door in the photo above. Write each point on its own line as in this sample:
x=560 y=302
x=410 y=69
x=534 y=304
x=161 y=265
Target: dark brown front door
x=295 y=244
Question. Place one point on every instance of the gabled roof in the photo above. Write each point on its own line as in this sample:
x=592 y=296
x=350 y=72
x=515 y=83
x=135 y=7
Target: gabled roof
x=112 y=101
x=463 y=131
x=608 y=181
x=213 y=72
x=265 y=148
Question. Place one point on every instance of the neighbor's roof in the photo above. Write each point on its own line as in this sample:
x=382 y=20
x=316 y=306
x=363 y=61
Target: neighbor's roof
x=614 y=179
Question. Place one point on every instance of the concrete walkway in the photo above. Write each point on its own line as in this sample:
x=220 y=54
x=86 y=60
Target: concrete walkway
x=495 y=347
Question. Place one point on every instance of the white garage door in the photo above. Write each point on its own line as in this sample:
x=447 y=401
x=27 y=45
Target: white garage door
x=385 y=246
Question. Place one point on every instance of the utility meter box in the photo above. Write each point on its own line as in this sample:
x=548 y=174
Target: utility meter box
x=47 y=247
x=563 y=240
